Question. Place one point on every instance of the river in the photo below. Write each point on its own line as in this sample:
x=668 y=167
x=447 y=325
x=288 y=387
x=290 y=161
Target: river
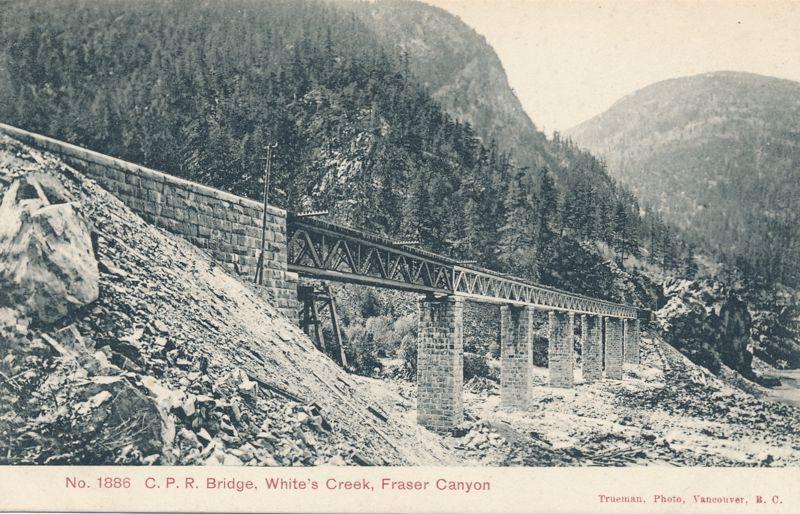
x=789 y=390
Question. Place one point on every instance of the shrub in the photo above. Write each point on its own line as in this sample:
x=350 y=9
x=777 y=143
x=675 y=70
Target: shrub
x=362 y=352
x=389 y=333
x=475 y=365
x=540 y=351
x=408 y=352
x=381 y=331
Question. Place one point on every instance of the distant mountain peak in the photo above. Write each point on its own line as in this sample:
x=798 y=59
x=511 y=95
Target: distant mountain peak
x=698 y=149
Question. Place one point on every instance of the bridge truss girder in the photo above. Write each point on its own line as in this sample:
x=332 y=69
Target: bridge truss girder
x=323 y=250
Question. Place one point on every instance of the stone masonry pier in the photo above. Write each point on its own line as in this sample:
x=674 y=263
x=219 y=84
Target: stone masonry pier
x=631 y=342
x=516 y=356
x=613 y=346
x=591 y=344
x=560 y=349
x=440 y=362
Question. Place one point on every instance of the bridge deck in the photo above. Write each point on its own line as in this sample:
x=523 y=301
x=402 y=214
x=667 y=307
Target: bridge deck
x=324 y=250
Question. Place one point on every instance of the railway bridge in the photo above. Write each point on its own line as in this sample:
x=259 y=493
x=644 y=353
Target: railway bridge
x=282 y=246
x=610 y=332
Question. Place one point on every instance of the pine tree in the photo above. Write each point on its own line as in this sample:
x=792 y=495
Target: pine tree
x=519 y=237
x=621 y=229
x=547 y=220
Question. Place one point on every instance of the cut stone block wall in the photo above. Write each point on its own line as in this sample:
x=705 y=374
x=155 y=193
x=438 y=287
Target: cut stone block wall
x=440 y=363
x=560 y=351
x=631 y=344
x=613 y=345
x=516 y=356
x=591 y=343
x=225 y=225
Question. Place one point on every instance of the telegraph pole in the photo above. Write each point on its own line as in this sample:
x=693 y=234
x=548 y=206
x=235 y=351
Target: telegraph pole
x=259 y=278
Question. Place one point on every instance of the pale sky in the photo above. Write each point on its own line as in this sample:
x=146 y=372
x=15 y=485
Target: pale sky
x=570 y=60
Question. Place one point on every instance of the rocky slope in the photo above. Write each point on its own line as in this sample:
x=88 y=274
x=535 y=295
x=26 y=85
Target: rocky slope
x=717 y=154
x=166 y=358
x=712 y=324
x=708 y=323
x=776 y=327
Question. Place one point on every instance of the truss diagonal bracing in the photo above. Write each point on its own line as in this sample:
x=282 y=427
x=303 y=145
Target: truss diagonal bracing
x=323 y=250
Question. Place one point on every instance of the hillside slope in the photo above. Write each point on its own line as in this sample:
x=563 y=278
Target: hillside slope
x=719 y=155
x=465 y=76
x=235 y=381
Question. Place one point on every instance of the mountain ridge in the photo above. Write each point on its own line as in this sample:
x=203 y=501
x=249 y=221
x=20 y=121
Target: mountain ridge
x=577 y=127
x=703 y=149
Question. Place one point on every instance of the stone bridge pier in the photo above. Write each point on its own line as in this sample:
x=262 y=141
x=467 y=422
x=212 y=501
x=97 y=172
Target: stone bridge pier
x=613 y=348
x=440 y=362
x=560 y=355
x=516 y=356
x=591 y=345
x=632 y=337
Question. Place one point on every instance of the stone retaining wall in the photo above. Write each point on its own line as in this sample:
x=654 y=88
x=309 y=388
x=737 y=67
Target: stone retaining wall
x=225 y=225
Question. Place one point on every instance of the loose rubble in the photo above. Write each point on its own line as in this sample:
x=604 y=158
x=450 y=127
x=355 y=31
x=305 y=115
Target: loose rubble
x=481 y=385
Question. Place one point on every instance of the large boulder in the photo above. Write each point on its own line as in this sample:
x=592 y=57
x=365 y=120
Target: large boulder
x=121 y=415
x=708 y=323
x=47 y=262
x=92 y=420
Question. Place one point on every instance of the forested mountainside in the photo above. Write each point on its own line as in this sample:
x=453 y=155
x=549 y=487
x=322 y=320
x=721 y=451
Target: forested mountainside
x=199 y=88
x=718 y=154
x=464 y=74
x=461 y=71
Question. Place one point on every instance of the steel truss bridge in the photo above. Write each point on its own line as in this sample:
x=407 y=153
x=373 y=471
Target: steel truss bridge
x=323 y=250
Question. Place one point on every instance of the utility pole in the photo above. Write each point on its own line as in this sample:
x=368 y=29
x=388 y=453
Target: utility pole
x=259 y=278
